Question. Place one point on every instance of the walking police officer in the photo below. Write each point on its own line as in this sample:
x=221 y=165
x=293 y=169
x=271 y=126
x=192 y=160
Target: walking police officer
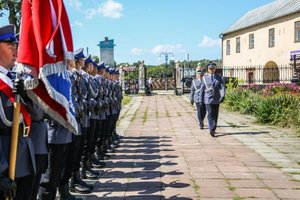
x=197 y=88
x=213 y=94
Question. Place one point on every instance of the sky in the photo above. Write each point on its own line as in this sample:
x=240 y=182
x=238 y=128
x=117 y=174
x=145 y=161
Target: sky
x=142 y=29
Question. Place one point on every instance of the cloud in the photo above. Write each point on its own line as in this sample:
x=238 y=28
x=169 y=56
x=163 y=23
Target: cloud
x=74 y=3
x=208 y=42
x=177 y=48
x=77 y=23
x=136 y=51
x=110 y=8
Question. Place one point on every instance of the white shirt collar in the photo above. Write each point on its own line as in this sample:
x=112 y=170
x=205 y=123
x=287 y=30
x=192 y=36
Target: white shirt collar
x=3 y=70
x=4 y=77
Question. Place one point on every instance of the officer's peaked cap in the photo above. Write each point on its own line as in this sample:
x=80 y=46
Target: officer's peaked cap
x=88 y=60
x=201 y=72
x=7 y=34
x=101 y=65
x=79 y=54
x=212 y=65
x=95 y=63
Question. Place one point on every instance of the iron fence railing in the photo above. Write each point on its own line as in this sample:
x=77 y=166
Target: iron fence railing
x=261 y=74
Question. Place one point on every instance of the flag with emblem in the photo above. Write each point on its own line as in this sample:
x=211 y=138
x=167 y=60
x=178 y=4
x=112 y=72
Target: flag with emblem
x=45 y=44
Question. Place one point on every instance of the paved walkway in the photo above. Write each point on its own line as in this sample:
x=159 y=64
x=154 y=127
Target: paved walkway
x=164 y=155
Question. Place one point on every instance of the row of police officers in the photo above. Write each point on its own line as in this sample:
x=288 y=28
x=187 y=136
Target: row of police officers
x=50 y=158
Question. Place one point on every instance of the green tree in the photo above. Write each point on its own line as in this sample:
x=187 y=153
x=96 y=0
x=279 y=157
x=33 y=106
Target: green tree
x=14 y=11
x=96 y=58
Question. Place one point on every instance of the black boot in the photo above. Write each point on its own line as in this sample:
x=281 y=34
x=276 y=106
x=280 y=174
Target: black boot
x=99 y=152
x=78 y=185
x=96 y=163
x=88 y=173
x=109 y=147
x=64 y=194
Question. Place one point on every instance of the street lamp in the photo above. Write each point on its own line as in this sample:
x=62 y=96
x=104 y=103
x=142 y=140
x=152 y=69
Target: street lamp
x=166 y=54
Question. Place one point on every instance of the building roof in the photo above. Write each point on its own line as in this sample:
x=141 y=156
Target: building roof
x=273 y=10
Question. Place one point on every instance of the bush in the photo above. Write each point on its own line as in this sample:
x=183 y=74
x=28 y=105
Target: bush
x=243 y=101
x=277 y=104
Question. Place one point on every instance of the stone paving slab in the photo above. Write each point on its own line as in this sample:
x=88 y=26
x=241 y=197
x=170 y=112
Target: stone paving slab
x=164 y=155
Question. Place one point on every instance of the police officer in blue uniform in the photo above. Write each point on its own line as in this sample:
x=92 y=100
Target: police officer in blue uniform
x=118 y=106
x=213 y=94
x=25 y=163
x=86 y=169
x=196 y=97
x=74 y=157
x=97 y=93
x=103 y=117
x=94 y=118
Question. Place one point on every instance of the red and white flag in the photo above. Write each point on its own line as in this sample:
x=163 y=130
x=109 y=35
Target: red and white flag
x=45 y=45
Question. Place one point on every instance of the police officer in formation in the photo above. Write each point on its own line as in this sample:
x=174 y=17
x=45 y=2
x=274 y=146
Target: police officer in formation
x=25 y=171
x=51 y=160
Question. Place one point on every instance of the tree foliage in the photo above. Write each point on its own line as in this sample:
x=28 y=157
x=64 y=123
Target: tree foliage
x=96 y=58
x=13 y=7
x=158 y=71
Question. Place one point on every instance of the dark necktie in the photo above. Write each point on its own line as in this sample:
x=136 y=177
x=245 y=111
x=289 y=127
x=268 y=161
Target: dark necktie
x=10 y=75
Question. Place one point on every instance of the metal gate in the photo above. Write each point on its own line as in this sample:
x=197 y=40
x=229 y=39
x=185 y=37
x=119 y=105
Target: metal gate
x=188 y=74
x=131 y=80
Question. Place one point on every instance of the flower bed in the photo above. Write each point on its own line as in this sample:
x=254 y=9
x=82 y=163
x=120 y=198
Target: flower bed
x=277 y=103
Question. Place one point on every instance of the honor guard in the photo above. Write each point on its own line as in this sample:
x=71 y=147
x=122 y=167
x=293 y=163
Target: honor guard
x=74 y=160
x=25 y=161
x=100 y=145
x=92 y=92
x=95 y=88
x=196 y=97
x=112 y=111
x=107 y=107
x=213 y=94
x=118 y=106
x=86 y=169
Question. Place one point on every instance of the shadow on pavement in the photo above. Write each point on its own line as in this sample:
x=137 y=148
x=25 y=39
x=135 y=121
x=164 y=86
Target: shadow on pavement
x=134 y=170
x=241 y=133
x=233 y=126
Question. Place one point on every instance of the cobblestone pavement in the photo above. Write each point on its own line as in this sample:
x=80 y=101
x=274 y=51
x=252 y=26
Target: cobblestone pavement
x=164 y=155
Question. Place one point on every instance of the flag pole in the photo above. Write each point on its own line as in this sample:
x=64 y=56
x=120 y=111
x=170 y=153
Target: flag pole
x=14 y=138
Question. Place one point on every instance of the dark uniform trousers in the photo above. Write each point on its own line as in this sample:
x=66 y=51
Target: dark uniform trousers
x=97 y=132
x=90 y=137
x=201 y=112
x=212 y=115
x=72 y=159
x=56 y=166
x=41 y=165
x=106 y=127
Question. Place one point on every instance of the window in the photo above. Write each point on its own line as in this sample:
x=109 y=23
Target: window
x=297 y=31
x=228 y=47
x=271 y=37
x=251 y=41
x=238 y=45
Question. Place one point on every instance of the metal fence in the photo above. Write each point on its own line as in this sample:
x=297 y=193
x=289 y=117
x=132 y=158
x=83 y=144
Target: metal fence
x=262 y=74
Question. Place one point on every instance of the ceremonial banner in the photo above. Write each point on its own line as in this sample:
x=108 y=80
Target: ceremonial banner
x=44 y=47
